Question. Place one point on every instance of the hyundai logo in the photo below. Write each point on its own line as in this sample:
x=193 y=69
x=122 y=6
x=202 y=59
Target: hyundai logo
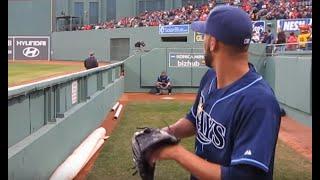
x=31 y=52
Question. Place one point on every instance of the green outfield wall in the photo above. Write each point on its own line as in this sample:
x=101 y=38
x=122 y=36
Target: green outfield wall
x=143 y=68
x=49 y=119
x=290 y=75
x=76 y=45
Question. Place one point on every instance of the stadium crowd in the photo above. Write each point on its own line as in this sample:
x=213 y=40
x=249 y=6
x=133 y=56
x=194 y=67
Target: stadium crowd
x=257 y=9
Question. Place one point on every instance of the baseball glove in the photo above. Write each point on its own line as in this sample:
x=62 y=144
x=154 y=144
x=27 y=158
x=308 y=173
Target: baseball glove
x=143 y=144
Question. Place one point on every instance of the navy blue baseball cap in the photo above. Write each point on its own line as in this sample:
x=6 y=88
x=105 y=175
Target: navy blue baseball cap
x=228 y=24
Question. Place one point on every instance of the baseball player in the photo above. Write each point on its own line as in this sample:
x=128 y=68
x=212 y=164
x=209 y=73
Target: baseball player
x=163 y=82
x=236 y=116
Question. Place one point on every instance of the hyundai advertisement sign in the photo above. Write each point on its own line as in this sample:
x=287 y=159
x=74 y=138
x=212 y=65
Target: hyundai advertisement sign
x=30 y=48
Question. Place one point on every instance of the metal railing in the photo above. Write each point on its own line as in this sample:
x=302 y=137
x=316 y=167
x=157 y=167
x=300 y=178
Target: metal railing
x=276 y=49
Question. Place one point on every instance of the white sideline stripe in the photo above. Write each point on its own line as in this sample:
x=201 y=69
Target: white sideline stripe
x=168 y=98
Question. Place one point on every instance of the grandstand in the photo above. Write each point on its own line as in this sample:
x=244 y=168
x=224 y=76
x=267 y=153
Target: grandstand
x=158 y=13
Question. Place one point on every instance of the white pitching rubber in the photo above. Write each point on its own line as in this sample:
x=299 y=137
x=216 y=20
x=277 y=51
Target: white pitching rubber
x=115 y=106
x=118 y=112
x=80 y=156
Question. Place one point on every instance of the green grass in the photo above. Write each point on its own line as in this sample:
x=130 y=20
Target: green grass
x=115 y=159
x=23 y=72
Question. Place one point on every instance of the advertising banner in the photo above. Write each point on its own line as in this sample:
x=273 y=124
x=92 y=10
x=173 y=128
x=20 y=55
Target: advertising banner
x=198 y=37
x=10 y=48
x=186 y=60
x=31 y=48
x=258 y=26
x=289 y=25
x=174 y=29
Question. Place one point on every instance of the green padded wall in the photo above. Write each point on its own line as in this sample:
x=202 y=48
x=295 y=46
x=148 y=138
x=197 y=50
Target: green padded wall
x=132 y=74
x=197 y=72
x=152 y=64
x=290 y=77
x=293 y=81
x=76 y=45
x=179 y=76
x=19 y=124
x=37 y=111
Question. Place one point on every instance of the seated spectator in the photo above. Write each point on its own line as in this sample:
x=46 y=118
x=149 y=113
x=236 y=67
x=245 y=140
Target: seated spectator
x=292 y=40
x=281 y=41
x=91 y=62
x=303 y=36
x=163 y=83
x=267 y=38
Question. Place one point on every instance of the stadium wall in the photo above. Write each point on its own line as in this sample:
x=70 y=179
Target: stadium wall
x=290 y=75
x=29 y=18
x=45 y=125
x=75 y=45
x=142 y=69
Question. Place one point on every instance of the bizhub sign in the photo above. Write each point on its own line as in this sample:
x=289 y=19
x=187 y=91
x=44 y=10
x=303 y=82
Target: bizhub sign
x=29 y=47
x=186 y=60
